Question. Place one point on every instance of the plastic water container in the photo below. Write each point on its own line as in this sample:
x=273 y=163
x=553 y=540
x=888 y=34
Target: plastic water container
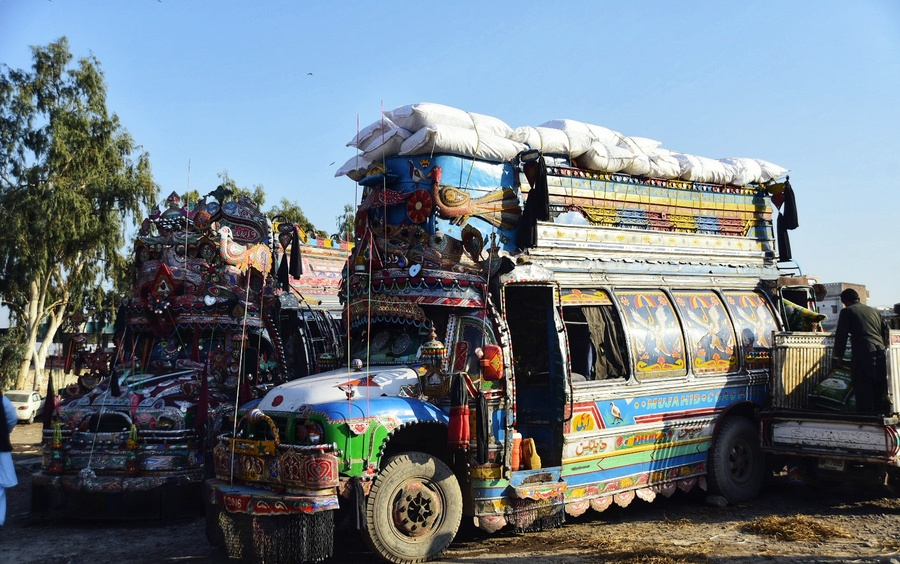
x=515 y=462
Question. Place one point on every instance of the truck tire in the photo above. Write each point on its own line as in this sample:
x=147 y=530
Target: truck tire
x=736 y=465
x=413 y=510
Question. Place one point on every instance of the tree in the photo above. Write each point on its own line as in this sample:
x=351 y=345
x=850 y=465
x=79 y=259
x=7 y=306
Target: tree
x=70 y=179
x=345 y=224
x=256 y=194
x=285 y=211
x=11 y=354
x=290 y=212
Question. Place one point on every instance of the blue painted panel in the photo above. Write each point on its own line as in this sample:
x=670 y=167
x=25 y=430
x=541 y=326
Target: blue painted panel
x=635 y=411
x=406 y=174
x=407 y=410
x=574 y=480
x=460 y=172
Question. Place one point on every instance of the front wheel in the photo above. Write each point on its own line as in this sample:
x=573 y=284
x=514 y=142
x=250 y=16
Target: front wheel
x=736 y=462
x=413 y=510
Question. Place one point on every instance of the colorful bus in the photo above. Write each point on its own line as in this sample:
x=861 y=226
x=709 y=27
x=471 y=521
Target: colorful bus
x=209 y=324
x=529 y=339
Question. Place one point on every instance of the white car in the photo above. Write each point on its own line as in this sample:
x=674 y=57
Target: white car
x=28 y=404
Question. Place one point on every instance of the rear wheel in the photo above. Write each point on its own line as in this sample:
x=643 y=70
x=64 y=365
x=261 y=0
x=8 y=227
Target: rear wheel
x=736 y=462
x=31 y=418
x=413 y=510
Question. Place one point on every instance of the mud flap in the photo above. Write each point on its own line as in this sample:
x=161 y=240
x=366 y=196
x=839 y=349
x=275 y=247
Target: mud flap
x=537 y=500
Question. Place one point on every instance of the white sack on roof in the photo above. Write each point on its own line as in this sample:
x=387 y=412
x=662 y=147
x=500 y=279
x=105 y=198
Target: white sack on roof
x=581 y=135
x=640 y=148
x=435 y=139
x=355 y=168
x=547 y=140
x=663 y=164
x=770 y=171
x=639 y=144
x=638 y=165
x=372 y=134
x=605 y=158
x=704 y=169
x=748 y=170
x=416 y=116
x=386 y=145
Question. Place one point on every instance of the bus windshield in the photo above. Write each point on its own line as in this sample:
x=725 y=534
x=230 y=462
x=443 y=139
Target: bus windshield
x=388 y=343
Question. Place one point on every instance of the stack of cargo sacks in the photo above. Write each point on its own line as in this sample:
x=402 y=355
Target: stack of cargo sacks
x=431 y=129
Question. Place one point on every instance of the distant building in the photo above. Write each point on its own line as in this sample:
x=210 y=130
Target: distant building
x=831 y=305
x=891 y=315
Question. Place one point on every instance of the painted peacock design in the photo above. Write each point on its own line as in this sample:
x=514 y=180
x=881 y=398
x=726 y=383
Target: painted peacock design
x=242 y=256
x=499 y=207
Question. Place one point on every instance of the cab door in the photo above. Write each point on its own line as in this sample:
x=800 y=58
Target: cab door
x=541 y=383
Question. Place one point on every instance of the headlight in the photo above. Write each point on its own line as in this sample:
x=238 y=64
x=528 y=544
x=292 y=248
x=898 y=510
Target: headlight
x=165 y=424
x=309 y=433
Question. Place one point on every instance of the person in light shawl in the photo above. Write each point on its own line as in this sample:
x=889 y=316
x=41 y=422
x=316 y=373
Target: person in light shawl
x=8 y=479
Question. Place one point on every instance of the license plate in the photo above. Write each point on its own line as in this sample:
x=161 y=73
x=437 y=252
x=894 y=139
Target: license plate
x=831 y=464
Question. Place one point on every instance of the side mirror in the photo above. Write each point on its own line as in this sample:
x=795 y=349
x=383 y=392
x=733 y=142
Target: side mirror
x=492 y=362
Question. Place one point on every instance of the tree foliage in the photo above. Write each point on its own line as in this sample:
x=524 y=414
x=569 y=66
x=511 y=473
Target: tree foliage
x=70 y=179
x=345 y=224
x=256 y=194
x=285 y=211
x=290 y=212
x=12 y=351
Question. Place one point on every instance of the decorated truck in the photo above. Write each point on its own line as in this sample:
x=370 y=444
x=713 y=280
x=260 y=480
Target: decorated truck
x=224 y=306
x=543 y=320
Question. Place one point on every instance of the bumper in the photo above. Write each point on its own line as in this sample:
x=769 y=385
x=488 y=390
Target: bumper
x=116 y=497
x=258 y=526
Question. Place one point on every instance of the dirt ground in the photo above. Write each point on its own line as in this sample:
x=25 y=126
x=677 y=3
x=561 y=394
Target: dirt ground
x=837 y=524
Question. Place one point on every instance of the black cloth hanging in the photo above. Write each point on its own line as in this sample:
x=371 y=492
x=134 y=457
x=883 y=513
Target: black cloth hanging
x=283 y=281
x=202 y=404
x=537 y=206
x=114 y=389
x=296 y=263
x=49 y=403
x=786 y=203
x=790 y=207
x=359 y=504
x=481 y=428
x=784 y=242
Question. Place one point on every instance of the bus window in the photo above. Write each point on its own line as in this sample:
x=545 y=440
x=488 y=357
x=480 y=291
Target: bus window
x=595 y=335
x=658 y=345
x=755 y=324
x=710 y=333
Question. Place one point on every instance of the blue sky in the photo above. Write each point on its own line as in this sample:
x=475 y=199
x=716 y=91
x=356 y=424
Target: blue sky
x=271 y=91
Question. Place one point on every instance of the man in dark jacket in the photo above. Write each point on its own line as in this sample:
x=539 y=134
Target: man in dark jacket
x=869 y=336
